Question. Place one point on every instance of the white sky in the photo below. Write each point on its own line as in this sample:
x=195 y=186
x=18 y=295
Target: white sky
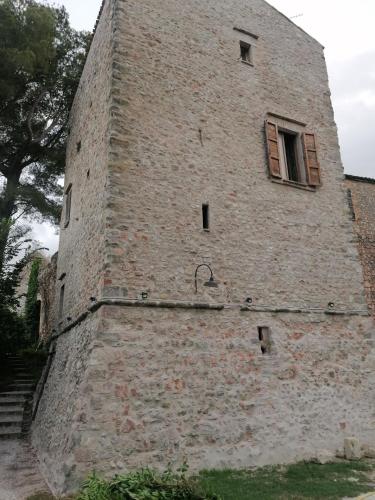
x=346 y=29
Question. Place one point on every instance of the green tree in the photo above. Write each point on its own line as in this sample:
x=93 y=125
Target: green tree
x=16 y=256
x=32 y=311
x=41 y=60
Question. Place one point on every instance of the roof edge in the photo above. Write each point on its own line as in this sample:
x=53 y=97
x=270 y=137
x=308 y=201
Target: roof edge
x=357 y=178
x=294 y=24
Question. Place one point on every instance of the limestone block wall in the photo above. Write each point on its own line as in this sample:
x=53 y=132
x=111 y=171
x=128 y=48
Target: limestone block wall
x=55 y=429
x=188 y=129
x=154 y=386
x=362 y=192
x=81 y=249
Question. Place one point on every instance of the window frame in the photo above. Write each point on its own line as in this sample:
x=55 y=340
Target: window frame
x=248 y=59
x=276 y=127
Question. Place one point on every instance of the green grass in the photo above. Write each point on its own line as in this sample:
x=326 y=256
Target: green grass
x=294 y=482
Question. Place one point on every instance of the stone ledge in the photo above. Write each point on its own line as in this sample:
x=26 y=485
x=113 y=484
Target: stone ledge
x=175 y=304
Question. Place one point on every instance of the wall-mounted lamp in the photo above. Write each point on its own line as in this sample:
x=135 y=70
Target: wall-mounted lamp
x=211 y=283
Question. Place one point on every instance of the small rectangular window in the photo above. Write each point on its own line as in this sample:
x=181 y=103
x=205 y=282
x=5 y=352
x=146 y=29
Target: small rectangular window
x=61 y=301
x=246 y=55
x=206 y=216
x=264 y=334
x=68 y=204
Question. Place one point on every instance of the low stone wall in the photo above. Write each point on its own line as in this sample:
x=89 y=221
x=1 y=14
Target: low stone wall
x=154 y=386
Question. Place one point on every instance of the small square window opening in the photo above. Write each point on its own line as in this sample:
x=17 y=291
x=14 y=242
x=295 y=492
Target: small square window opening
x=206 y=216
x=246 y=55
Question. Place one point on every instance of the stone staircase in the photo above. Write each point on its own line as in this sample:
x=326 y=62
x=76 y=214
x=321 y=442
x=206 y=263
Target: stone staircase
x=19 y=471
x=15 y=400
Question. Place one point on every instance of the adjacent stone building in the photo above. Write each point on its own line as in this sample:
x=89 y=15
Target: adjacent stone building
x=361 y=196
x=211 y=297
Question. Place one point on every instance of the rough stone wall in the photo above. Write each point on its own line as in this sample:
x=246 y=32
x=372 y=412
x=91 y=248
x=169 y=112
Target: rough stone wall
x=54 y=431
x=363 y=201
x=47 y=293
x=178 y=72
x=154 y=386
x=81 y=246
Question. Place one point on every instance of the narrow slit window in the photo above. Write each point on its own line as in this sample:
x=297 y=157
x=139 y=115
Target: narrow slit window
x=264 y=335
x=350 y=203
x=206 y=216
x=61 y=301
x=68 y=204
x=246 y=52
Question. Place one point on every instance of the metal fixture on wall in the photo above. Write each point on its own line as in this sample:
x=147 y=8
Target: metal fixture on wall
x=211 y=283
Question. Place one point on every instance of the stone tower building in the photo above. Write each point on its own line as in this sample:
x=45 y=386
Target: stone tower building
x=203 y=133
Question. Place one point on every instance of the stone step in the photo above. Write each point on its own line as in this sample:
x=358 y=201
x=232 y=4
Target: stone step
x=15 y=394
x=11 y=411
x=19 y=387
x=10 y=425
x=11 y=434
x=10 y=401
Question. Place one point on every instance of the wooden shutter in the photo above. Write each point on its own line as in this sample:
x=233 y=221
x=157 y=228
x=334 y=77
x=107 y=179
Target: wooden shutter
x=311 y=159
x=273 y=149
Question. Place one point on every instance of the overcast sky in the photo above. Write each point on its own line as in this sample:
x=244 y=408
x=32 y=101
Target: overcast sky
x=346 y=30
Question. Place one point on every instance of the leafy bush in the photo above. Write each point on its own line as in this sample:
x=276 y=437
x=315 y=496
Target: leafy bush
x=34 y=360
x=144 y=485
x=12 y=331
x=32 y=311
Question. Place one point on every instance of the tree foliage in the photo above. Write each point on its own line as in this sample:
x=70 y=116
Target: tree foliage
x=32 y=311
x=41 y=60
x=17 y=255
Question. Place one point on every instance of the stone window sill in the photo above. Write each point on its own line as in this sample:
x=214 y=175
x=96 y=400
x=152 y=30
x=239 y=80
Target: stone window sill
x=294 y=184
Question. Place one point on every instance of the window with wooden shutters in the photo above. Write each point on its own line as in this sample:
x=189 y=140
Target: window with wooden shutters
x=292 y=153
x=273 y=149
x=311 y=159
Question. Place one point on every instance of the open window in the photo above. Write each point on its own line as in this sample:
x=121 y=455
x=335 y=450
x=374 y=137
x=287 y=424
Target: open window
x=292 y=154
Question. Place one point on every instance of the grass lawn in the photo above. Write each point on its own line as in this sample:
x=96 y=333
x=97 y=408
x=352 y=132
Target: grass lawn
x=299 y=481
x=294 y=482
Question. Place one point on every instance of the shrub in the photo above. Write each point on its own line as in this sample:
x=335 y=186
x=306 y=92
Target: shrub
x=144 y=485
x=12 y=331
